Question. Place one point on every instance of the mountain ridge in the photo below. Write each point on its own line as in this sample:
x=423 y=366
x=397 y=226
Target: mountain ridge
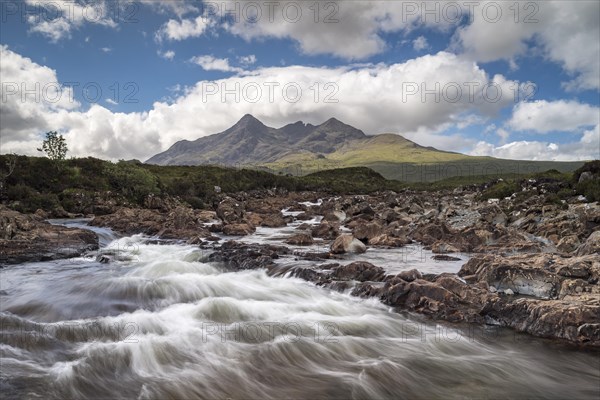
x=249 y=141
x=302 y=148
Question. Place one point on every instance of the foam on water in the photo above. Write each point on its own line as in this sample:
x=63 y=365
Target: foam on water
x=166 y=325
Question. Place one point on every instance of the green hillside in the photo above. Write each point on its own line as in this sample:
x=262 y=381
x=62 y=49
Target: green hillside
x=397 y=158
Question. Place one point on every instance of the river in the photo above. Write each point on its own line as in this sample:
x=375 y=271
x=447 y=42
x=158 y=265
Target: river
x=163 y=324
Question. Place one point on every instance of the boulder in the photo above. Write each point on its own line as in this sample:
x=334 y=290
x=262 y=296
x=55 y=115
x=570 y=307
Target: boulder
x=274 y=220
x=347 y=244
x=27 y=238
x=389 y=241
x=568 y=244
x=359 y=271
x=300 y=239
x=578 y=323
x=368 y=231
x=410 y=275
x=238 y=229
x=443 y=248
x=230 y=210
x=524 y=275
x=591 y=245
x=326 y=230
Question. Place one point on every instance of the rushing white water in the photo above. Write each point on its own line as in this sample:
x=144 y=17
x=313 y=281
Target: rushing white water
x=164 y=325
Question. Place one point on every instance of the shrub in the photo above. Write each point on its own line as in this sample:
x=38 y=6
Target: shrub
x=134 y=182
x=500 y=190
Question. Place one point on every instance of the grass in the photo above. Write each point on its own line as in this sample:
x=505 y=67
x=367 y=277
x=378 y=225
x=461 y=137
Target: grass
x=78 y=184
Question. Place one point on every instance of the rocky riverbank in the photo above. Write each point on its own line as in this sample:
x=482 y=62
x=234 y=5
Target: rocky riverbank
x=534 y=266
x=534 y=263
x=28 y=238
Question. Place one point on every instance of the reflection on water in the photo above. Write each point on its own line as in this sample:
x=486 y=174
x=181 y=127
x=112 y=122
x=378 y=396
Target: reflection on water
x=164 y=325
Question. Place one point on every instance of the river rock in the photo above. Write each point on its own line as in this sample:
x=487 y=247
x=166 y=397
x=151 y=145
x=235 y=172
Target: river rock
x=326 y=230
x=359 y=271
x=591 y=245
x=274 y=220
x=368 y=231
x=578 y=323
x=347 y=244
x=389 y=241
x=27 y=238
x=410 y=275
x=568 y=244
x=238 y=229
x=300 y=239
x=522 y=274
x=230 y=210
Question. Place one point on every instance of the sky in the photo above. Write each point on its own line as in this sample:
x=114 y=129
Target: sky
x=127 y=79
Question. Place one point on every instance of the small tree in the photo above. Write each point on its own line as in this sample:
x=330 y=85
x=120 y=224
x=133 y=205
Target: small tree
x=55 y=146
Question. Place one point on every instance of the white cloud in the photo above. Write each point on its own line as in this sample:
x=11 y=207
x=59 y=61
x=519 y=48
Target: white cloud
x=210 y=63
x=30 y=95
x=111 y=101
x=183 y=29
x=103 y=133
x=56 y=19
x=106 y=49
x=565 y=32
x=420 y=43
x=351 y=30
x=167 y=55
x=247 y=60
x=587 y=148
x=544 y=116
x=106 y=134
x=503 y=134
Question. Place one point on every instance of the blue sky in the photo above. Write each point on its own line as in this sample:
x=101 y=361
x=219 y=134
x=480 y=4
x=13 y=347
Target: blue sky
x=148 y=68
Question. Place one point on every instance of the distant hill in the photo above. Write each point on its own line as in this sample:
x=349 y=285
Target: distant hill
x=251 y=142
x=300 y=149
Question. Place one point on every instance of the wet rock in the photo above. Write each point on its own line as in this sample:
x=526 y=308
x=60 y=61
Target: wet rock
x=389 y=241
x=444 y=257
x=368 y=231
x=359 y=271
x=441 y=248
x=389 y=216
x=326 y=230
x=27 y=238
x=523 y=275
x=253 y=219
x=362 y=208
x=347 y=244
x=578 y=323
x=335 y=216
x=448 y=299
x=410 y=275
x=181 y=222
x=238 y=230
x=300 y=239
x=430 y=233
x=568 y=244
x=591 y=245
x=230 y=210
x=576 y=270
x=242 y=256
x=274 y=220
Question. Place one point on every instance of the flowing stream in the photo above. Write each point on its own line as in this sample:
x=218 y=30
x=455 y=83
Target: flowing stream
x=162 y=324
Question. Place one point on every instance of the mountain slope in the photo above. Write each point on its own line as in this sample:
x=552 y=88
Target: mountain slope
x=251 y=142
x=300 y=149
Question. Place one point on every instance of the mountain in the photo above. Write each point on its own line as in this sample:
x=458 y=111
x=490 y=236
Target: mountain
x=300 y=148
x=249 y=141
